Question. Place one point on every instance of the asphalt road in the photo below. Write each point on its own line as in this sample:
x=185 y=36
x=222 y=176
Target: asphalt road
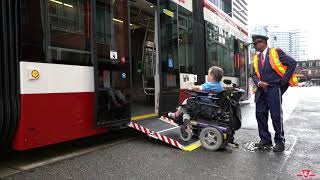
x=144 y=158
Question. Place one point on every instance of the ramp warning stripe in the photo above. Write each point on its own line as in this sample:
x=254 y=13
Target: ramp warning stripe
x=156 y=135
x=167 y=120
x=166 y=130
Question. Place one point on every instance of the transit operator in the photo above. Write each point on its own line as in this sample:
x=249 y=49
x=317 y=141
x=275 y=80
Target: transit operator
x=273 y=73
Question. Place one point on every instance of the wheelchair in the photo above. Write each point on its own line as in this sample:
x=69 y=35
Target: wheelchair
x=213 y=117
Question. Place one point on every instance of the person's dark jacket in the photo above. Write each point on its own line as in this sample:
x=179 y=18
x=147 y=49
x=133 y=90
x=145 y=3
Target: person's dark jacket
x=270 y=76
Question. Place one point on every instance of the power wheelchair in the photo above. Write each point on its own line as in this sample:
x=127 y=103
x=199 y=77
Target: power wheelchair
x=213 y=117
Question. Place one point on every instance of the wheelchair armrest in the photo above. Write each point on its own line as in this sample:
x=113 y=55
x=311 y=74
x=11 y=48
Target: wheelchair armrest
x=211 y=105
x=196 y=93
x=214 y=98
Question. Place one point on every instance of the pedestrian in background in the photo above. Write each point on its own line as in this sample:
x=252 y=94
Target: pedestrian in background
x=273 y=73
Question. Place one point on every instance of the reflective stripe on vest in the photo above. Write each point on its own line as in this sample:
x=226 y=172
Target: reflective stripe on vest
x=276 y=65
x=280 y=68
x=256 y=65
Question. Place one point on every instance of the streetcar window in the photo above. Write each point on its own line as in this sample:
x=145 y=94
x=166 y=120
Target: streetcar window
x=103 y=28
x=120 y=28
x=224 y=5
x=103 y=21
x=112 y=37
x=169 y=53
x=220 y=49
x=69 y=27
x=111 y=29
x=32 y=31
x=227 y=7
x=185 y=41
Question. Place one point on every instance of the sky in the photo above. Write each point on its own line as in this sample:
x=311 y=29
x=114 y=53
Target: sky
x=289 y=14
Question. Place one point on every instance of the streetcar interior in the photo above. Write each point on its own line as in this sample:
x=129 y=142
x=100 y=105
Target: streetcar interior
x=143 y=55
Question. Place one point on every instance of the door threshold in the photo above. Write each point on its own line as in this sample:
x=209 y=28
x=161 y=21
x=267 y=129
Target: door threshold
x=144 y=116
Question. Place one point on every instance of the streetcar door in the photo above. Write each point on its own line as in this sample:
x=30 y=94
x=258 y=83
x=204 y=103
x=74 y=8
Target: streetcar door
x=111 y=65
x=241 y=64
x=172 y=37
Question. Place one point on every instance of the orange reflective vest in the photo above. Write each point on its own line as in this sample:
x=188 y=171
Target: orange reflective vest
x=276 y=65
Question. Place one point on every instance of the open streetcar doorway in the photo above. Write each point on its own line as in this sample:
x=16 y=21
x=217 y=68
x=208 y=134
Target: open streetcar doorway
x=143 y=33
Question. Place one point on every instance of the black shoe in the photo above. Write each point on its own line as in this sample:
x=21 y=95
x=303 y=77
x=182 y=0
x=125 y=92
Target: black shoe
x=263 y=145
x=279 y=148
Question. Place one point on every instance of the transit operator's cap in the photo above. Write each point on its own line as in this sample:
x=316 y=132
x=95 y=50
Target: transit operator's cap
x=257 y=38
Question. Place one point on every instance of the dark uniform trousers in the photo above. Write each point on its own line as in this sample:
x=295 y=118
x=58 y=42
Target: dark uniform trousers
x=270 y=99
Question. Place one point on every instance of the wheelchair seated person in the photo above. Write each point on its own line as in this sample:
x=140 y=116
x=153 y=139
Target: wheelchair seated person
x=213 y=84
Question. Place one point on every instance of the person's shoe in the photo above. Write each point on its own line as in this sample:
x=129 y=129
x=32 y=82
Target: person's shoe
x=263 y=145
x=170 y=115
x=279 y=148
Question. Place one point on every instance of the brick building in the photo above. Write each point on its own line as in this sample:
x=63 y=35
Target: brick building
x=309 y=70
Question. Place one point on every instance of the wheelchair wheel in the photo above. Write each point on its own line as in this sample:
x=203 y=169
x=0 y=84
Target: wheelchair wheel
x=211 y=138
x=185 y=134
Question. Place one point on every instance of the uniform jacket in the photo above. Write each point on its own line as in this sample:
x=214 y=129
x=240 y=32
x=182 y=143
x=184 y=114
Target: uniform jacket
x=270 y=76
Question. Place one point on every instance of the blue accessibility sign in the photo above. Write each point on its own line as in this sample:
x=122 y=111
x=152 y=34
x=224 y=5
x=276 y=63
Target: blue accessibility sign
x=123 y=75
x=170 y=63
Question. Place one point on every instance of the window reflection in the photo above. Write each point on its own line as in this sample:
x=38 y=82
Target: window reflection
x=221 y=50
x=169 y=47
x=112 y=35
x=185 y=41
x=112 y=29
x=242 y=64
x=112 y=51
x=69 y=27
x=103 y=22
x=32 y=31
x=121 y=28
x=103 y=28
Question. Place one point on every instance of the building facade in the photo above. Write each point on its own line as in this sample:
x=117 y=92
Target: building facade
x=240 y=11
x=308 y=70
x=293 y=42
x=289 y=41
